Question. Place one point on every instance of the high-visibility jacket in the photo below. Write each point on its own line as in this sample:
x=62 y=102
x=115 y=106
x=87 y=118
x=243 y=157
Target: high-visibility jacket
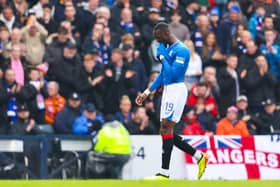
x=113 y=138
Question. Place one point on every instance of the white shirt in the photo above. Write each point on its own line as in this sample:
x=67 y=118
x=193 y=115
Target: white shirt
x=195 y=65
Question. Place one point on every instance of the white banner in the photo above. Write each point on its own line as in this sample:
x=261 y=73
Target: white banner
x=231 y=157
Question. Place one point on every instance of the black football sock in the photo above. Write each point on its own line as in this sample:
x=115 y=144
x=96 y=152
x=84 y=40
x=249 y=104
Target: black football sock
x=167 y=146
x=184 y=146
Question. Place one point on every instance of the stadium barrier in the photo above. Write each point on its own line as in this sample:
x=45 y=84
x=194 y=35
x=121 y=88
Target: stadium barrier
x=231 y=157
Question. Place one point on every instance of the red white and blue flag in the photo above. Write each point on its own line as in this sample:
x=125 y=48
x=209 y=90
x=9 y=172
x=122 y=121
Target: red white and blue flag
x=234 y=157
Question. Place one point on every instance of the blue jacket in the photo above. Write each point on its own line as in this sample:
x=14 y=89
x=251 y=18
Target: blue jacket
x=253 y=24
x=273 y=58
x=83 y=125
x=174 y=64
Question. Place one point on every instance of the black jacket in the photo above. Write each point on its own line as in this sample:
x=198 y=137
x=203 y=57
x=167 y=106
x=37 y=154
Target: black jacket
x=88 y=92
x=266 y=122
x=65 y=118
x=227 y=90
x=116 y=88
x=64 y=71
x=259 y=88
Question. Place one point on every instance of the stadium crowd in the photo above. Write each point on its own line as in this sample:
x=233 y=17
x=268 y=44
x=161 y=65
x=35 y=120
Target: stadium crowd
x=71 y=63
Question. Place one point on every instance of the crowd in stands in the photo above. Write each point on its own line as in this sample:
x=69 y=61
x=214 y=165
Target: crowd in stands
x=72 y=63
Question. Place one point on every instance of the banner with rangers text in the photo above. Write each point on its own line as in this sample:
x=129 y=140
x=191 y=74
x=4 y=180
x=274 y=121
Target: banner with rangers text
x=233 y=157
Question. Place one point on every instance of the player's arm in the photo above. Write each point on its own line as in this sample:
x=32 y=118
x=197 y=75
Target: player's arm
x=156 y=84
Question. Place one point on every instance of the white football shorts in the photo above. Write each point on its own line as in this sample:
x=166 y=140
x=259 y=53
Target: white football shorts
x=173 y=101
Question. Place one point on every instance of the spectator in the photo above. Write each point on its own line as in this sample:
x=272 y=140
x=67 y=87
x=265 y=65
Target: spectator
x=119 y=79
x=260 y=84
x=99 y=40
x=136 y=64
x=54 y=103
x=202 y=30
x=34 y=36
x=118 y=6
x=210 y=52
x=124 y=115
x=66 y=117
x=64 y=69
x=194 y=70
x=17 y=63
x=126 y=25
x=268 y=121
x=188 y=125
x=209 y=76
x=268 y=24
x=189 y=15
x=89 y=81
x=20 y=8
x=9 y=94
x=103 y=16
x=90 y=11
x=228 y=28
x=140 y=123
x=180 y=30
x=89 y=122
x=24 y=124
x=239 y=45
x=236 y=40
x=200 y=92
x=4 y=42
x=147 y=28
x=246 y=61
x=46 y=19
x=271 y=51
x=55 y=44
x=256 y=20
x=59 y=8
x=244 y=114
x=206 y=120
x=111 y=151
x=149 y=42
x=230 y=125
x=77 y=25
x=214 y=18
x=233 y=4
x=33 y=93
x=38 y=8
x=8 y=18
x=159 y=5
x=228 y=81
x=15 y=39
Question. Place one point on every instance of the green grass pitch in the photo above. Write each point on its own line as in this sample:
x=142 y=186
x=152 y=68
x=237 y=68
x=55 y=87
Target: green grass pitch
x=137 y=183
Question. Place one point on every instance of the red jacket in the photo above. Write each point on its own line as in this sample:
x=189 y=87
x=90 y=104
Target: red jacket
x=193 y=127
x=207 y=99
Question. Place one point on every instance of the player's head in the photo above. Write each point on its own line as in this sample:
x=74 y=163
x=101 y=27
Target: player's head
x=161 y=32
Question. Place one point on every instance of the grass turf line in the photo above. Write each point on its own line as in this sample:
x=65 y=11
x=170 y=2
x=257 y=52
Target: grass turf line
x=137 y=183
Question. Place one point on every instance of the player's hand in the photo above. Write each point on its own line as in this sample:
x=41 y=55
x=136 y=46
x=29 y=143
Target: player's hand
x=140 y=98
x=162 y=52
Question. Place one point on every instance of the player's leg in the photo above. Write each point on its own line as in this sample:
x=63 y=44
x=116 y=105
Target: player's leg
x=166 y=132
x=201 y=158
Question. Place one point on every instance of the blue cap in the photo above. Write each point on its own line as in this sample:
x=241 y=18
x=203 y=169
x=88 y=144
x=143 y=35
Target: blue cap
x=215 y=11
x=234 y=8
x=90 y=107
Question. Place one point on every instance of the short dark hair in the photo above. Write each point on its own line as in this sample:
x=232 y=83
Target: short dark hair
x=162 y=26
x=62 y=30
x=202 y=84
x=267 y=17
